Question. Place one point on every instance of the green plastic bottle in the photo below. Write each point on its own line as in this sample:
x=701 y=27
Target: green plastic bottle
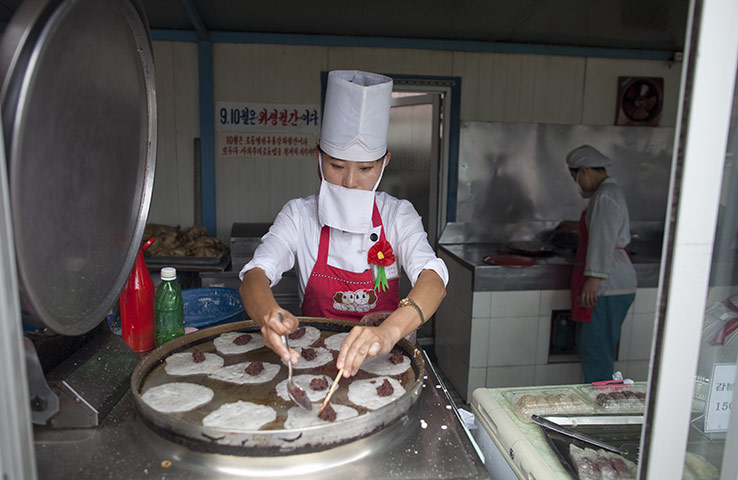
x=168 y=308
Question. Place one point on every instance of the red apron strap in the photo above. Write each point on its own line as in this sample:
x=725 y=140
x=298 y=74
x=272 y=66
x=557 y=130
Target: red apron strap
x=323 y=245
x=579 y=313
x=627 y=252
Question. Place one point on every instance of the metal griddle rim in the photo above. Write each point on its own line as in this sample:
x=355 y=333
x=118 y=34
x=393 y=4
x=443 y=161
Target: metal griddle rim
x=271 y=442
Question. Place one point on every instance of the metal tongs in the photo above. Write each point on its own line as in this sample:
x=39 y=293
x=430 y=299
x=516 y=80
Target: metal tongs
x=297 y=394
x=544 y=422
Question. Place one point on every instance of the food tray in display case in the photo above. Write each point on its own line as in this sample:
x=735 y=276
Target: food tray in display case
x=547 y=401
x=616 y=398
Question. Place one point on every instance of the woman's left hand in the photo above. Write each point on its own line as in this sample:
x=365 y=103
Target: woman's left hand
x=362 y=343
x=590 y=289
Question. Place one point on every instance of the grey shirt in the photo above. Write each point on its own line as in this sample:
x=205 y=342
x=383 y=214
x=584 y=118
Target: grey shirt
x=608 y=225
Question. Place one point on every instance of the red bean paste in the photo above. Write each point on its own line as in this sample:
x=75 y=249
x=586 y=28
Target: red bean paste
x=309 y=353
x=242 y=339
x=319 y=383
x=385 y=389
x=299 y=333
x=198 y=356
x=328 y=414
x=396 y=356
x=254 y=368
x=299 y=394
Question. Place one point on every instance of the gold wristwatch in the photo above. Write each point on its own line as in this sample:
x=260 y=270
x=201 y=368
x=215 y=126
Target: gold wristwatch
x=409 y=302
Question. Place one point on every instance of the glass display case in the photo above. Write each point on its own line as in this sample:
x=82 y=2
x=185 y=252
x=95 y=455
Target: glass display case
x=689 y=424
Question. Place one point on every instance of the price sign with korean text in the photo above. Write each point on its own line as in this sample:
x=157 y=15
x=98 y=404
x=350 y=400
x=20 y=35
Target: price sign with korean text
x=720 y=400
x=236 y=145
x=266 y=117
x=251 y=130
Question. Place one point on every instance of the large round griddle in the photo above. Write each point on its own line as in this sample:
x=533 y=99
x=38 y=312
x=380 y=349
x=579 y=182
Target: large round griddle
x=79 y=120
x=187 y=428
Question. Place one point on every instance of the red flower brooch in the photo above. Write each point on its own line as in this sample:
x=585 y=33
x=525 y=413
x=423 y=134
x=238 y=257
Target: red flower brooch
x=381 y=255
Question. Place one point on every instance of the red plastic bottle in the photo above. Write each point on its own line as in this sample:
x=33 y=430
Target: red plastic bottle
x=137 y=306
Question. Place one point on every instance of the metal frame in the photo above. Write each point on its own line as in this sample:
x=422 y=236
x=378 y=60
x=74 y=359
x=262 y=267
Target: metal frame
x=437 y=185
x=17 y=458
x=699 y=151
x=450 y=87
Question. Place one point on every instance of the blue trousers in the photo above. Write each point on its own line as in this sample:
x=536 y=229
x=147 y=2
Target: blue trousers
x=597 y=341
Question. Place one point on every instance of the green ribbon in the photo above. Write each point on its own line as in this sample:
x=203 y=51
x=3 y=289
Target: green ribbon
x=381 y=281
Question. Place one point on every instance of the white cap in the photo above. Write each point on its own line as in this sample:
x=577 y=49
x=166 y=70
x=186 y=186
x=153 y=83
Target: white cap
x=168 y=273
x=587 y=156
x=356 y=115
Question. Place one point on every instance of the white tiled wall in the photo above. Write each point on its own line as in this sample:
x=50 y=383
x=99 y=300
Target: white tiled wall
x=511 y=376
x=641 y=335
x=515 y=304
x=500 y=339
x=512 y=341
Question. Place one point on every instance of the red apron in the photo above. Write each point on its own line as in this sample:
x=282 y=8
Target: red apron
x=335 y=293
x=579 y=313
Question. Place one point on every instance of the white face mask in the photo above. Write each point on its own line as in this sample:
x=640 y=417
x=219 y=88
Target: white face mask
x=582 y=192
x=347 y=209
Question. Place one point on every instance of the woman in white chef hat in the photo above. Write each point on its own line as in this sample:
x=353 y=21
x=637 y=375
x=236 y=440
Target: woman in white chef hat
x=603 y=281
x=348 y=242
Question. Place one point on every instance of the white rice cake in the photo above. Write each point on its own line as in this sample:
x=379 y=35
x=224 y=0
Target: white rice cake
x=364 y=392
x=323 y=357
x=224 y=343
x=334 y=341
x=311 y=336
x=300 y=418
x=381 y=365
x=240 y=416
x=176 y=397
x=236 y=373
x=303 y=381
x=181 y=364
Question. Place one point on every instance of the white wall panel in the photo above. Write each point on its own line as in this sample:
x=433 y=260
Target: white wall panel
x=520 y=88
x=254 y=190
x=387 y=60
x=466 y=66
x=164 y=200
x=187 y=121
x=559 y=82
x=178 y=125
x=268 y=73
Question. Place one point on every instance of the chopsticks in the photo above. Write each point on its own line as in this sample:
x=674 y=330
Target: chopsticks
x=330 y=392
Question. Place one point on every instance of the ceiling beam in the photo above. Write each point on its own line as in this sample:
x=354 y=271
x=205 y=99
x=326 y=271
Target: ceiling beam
x=200 y=29
x=410 y=44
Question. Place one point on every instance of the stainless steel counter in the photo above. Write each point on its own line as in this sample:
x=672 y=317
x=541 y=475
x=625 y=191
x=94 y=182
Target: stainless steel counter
x=430 y=441
x=550 y=273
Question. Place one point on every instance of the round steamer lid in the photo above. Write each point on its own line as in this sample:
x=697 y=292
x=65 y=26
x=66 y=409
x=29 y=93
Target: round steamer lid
x=79 y=120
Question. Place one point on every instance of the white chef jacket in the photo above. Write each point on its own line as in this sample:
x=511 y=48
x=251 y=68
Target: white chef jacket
x=608 y=226
x=294 y=237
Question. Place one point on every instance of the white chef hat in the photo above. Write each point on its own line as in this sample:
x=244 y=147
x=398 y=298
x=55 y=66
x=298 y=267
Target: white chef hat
x=356 y=115
x=587 y=156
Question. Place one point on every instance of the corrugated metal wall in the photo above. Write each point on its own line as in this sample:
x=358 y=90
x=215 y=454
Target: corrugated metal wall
x=495 y=87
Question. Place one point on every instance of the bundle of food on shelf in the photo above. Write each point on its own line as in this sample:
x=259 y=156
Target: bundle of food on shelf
x=171 y=241
x=601 y=464
x=620 y=398
x=546 y=401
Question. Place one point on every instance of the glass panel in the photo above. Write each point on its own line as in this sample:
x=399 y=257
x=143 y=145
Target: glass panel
x=716 y=371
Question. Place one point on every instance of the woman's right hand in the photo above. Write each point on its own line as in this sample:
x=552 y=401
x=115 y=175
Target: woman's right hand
x=567 y=226
x=272 y=329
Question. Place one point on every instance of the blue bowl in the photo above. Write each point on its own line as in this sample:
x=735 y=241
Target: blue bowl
x=205 y=307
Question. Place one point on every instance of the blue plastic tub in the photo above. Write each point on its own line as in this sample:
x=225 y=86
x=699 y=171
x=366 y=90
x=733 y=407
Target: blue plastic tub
x=205 y=307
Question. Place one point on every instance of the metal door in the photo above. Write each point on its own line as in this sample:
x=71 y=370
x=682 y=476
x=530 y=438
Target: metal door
x=413 y=141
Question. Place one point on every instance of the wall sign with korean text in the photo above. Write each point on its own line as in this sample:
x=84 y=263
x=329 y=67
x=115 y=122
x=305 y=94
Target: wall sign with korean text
x=266 y=130
x=720 y=399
